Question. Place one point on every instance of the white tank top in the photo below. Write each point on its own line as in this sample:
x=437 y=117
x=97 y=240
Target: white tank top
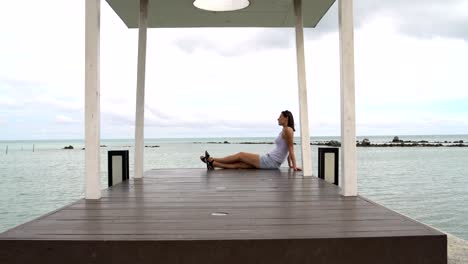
x=280 y=152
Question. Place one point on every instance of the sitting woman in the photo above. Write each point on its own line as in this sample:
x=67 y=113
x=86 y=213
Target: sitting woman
x=284 y=145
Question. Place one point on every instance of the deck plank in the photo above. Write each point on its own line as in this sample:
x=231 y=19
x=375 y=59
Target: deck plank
x=265 y=209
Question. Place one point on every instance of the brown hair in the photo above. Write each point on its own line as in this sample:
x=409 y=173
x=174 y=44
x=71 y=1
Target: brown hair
x=290 y=117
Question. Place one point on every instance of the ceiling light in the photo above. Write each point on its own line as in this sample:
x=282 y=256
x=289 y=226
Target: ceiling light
x=221 y=5
x=219 y=214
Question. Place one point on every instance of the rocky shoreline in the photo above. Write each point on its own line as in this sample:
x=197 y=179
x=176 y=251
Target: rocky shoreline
x=396 y=142
x=104 y=146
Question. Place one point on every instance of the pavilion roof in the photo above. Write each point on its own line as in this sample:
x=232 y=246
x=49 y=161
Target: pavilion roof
x=182 y=13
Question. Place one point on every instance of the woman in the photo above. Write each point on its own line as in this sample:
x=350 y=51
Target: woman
x=284 y=145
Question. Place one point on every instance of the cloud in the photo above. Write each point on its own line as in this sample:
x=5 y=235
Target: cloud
x=234 y=41
x=195 y=120
x=8 y=102
x=62 y=119
x=114 y=118
x=417 y=18
x=61 y=105
x=271 y=38
x=211 y=82
x=11 y=83
x=426 y=18
x=32 y=51
x=203 y=123
x=415 y=124
x=14 y=92
x=156 y=113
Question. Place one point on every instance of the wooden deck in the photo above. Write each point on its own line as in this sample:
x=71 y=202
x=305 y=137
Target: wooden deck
x=272 y=217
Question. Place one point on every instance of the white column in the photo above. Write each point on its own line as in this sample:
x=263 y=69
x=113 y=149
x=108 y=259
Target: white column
x=348 y=107
x=140 y=95
x=301 y=74
x=92 y=95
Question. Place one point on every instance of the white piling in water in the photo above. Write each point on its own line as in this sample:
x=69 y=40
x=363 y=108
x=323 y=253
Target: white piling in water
x=33 y=147
x=6 y=152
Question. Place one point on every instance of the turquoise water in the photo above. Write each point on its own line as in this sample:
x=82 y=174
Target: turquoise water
x=429 y=184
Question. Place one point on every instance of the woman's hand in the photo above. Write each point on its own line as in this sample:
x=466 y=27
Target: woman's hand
x=295 y=168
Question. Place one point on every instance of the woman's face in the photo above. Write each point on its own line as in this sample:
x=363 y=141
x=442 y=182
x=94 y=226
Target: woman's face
x=282 y=120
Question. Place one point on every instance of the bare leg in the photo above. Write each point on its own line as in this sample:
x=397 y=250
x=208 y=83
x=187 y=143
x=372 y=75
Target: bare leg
x=238 y=165
x=243 y=157
x=229 y=159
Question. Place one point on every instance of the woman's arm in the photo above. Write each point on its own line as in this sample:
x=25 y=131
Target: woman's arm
x=289 y=137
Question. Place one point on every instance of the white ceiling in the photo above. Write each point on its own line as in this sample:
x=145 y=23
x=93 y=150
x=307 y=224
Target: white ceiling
x=182 y=13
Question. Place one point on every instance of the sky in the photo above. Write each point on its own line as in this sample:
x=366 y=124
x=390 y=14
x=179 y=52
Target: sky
x=411 y=61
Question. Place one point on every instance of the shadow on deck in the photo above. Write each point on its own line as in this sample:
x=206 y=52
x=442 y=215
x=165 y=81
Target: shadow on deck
x=223 y=216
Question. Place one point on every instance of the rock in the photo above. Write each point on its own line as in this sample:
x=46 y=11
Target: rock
x=397 y=140
x=458 y=145
x=334 y=143
x=68 y=147
x=253 y=143
x=226 y=142
x=365 y=142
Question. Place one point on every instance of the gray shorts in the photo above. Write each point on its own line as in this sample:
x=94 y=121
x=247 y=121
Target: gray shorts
x=266 y=162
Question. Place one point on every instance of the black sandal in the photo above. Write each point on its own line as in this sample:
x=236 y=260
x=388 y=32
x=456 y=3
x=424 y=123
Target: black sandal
x=206 y=159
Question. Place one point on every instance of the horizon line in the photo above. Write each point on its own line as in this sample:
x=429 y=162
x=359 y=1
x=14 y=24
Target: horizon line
x=188 y=137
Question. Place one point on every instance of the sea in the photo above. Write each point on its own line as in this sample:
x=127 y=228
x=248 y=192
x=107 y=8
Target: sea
x=428 y=184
